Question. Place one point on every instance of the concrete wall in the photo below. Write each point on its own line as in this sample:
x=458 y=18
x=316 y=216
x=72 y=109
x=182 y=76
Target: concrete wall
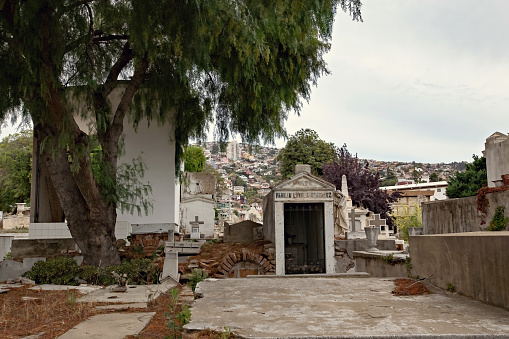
x=5 y=245
x=25 y=248
x=201 y=207
x=475 y=263
x=362 y=244
x=240 y=232
x=496 y=151
x=16 y=221
x=460 y=215
x=377 y=266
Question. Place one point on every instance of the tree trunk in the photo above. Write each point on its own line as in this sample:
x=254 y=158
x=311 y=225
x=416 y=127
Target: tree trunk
x=90 y=220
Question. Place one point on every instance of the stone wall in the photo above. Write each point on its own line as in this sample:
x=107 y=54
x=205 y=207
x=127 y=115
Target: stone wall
x=362 y=244
x=240 y=232
x=475 y=264
x=26 y=248
x=378 y=266
x=459 y=215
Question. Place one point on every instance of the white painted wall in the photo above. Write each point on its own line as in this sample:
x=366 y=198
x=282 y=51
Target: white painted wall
x=154 y=144
x=204 y=209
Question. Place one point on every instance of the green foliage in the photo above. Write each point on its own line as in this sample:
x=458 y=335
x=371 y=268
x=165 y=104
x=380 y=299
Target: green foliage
x=65 y=271
x=434 y=177
x=451 y=288
x=408 y=216
x=133 y=195
x=194 y=159
x=196 y=276
x=305 y=147
x=58 y=271
x=499 y=222
x=15 y=169
x=139 y=271
x=467 y=183
x=389 y=259
x=409 y=266
x=389 y=180
x=177 y=319
x=244 y=65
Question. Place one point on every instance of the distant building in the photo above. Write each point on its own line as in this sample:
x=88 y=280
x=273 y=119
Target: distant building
x=233 y=150
x=415 y=194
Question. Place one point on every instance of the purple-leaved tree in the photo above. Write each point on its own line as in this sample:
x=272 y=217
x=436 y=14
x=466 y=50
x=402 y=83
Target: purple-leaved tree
x=363 y=184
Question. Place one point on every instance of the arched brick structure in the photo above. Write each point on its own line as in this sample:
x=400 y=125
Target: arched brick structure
x=241 y=263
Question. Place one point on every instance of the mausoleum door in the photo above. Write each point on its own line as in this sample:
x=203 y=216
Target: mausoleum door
x=304 y=238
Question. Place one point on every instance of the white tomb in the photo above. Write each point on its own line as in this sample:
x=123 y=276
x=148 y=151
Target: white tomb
x=299 y=219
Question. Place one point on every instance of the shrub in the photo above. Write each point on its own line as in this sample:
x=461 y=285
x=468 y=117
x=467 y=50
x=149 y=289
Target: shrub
x=139 y=272
x=65 y=271
x=499 y=222
x=59 y=271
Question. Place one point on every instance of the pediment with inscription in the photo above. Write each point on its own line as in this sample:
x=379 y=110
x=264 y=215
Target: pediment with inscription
x=305 y=182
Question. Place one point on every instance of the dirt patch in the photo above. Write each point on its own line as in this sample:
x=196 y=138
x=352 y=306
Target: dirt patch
x=409 y=287
x=25 y=312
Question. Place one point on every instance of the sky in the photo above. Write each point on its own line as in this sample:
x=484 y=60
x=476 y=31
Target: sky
x=424 y=81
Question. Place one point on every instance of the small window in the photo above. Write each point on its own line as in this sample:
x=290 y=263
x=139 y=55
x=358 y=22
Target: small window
x=439 y=190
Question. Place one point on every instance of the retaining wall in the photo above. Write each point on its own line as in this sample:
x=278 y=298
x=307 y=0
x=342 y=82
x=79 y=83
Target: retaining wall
x=460 y=215
x=377 y=266
x=474 y=263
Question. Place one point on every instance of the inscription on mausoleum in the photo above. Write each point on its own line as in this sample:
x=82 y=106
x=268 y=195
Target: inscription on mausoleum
x=303 y=195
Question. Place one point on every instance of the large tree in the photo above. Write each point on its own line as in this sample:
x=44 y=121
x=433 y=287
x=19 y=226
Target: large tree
x=305 y=147
x=467 y=183
x=363 y=184
x=15 y=169
x=249 y=62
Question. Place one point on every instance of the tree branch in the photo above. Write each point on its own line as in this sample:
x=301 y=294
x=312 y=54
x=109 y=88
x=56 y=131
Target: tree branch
x=110 y=38
x=123 y=60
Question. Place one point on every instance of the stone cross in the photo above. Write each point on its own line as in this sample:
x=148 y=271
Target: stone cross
x=377 y=222
x=352 y=219
x=195 y=224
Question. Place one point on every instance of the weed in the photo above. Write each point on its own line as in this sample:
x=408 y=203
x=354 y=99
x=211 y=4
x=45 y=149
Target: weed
x=177 y=319
x=8 y=256
x=409 y=266
x=450 y=287
x=196 y=276
x=71 y=298
x=389 y=259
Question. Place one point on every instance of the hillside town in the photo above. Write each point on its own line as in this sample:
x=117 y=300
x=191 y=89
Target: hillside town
x=247 y=172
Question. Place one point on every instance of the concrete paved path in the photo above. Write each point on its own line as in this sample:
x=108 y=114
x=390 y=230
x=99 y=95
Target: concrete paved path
x=339 y=307
x=111 y=326
x=134 y=293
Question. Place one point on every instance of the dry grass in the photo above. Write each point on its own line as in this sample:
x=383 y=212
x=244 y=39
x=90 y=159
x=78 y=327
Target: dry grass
x=51 y=312
x=410 y=287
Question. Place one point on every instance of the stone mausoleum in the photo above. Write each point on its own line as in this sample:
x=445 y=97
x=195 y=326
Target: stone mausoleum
x=299 y=220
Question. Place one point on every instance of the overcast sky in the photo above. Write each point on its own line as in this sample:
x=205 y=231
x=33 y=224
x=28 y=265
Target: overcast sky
x=417 y=80
x=424 y=81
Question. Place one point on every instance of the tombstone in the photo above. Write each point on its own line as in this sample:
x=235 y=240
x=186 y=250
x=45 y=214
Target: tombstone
x=299 y=219
x=195 y=228
x=170 y=267
x=381 y=224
